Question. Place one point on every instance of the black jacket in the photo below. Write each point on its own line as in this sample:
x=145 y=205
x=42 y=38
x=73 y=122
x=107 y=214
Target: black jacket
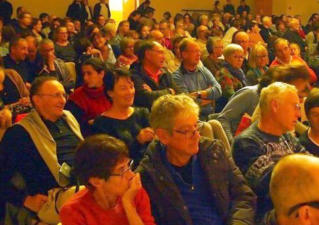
x=77 y=12
x=235 y=201
x=97 y=10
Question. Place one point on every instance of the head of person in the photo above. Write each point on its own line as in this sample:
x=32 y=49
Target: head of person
x=234 y=55
x=124 y=27
x=202 y=32
x=241 y=38
x=294 y=24
x=157 y=35
x=164 y=28
x=98 y=40
x=279 y=103
x=110 y=30
x=258 y=57
x=281 y=26
x=100 y=20
x=312 y=109
x=127 y=46
x=48 y=97
x=135 y=15
x=32 y=47
x=167 y=15
x=187 y=18
x=294 y=49
x=18 y=48
x=61 y=34
x=36 y=25
x=267 y=21
x=102 y=164
x=203 y=20
x=176 y=44
x=282 y=50
x=151 y=53
x=93 y=71
x=70 y=27
x=215 y=46
x=119 y=87
x=294 y=204
x=144 y=31
x=25 y=19
x=190 y=52
x=46 y=48
x=174 y=120
x=216 y=3
x=44 y=17
x=253 y=26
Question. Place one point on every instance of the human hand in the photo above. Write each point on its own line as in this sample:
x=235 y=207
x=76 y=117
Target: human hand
x=5 y=118
x=147 y=88
x=134 y=186
x=25 y=101
x=145 y=135
x=35 y=202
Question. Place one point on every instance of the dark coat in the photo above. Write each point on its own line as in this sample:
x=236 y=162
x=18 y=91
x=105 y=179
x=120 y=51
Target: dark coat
x=97 y=10
x=77 y=12
x=235 y=201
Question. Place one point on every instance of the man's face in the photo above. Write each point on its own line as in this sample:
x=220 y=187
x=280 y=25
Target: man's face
x=191 y=55
x=243 y=40
x=283 y=51
x=20 y=50
x=50 y=100
x=91 y=77
x=218 y=48
x=125 y=28
x=63 y=34
x=287 y=111
x=313 y=117
x=101 y=20
x=32 y=48
x=184 y=137
x=46 y=50
x=163 y=27
x=155 y=56
x=26 y=20
x=202 y=33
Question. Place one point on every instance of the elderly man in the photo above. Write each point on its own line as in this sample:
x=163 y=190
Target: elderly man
x=191 y=180
x=292 y=35
x=265 y=29
x=150 y=80
x=257 y=149
x=202 y=34
x=196 y=79
x=52 y=66
x=283 y=57
x=242 y=38
x=39 y=149
x=296 y=204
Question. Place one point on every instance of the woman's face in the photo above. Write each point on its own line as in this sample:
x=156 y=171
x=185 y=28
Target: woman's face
x=145 y=31
x=38 y=26
x=236 y=59
x=129 y=50
x=91 y=77
x=123 y=92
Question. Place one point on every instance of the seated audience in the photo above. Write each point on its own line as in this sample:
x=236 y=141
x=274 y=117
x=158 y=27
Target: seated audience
x=283 y=57
x=150 y=80
x=122 y=120
x=257 y=62
x=191 y=180
x=48 y=136
x=76 y=11
x=257 y=149
x=89 y=100
x=113 y=193
x=195 y=79
x=127 y=58
x=309 y=139
x=231 y=77
x=63 y=48
x=52 y=66
x=294 y=204
x=214 y=47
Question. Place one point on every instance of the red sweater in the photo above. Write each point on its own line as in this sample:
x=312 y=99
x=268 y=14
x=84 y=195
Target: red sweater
x=82 y=209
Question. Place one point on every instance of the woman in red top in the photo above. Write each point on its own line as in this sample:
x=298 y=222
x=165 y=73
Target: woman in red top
x=113 y=194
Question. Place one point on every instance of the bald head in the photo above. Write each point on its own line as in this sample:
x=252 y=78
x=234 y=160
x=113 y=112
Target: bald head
x=294 y=181
x=157 y=36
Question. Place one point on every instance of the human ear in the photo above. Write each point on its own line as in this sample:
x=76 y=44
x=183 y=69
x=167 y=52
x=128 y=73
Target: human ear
x=162 y=135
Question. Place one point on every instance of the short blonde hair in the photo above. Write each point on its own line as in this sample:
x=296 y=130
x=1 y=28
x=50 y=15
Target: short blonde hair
x=257 y=49
x=167 y=108
x=230 y=49
x=275 y=91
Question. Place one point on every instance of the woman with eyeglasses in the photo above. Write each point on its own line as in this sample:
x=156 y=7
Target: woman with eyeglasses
x=231 y=77
x=113 y=194
x=130 y=124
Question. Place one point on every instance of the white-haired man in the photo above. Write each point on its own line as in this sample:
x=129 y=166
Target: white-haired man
x=259 y=147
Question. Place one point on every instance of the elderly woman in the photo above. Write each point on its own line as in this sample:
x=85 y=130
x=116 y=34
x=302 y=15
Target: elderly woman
x=231 y=77
x=257 y=61
x=214 y=47
x=127 y=58
x=123 y=121
x=113 y=193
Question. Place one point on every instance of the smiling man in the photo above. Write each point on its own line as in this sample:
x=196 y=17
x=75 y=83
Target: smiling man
x=257 y=149
x=37 y=147
x=191 y=180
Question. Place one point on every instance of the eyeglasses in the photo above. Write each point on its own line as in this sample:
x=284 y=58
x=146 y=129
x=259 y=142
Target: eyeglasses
x=314 y=204
x=121 y=174
x=56 y=95
x=189 y=133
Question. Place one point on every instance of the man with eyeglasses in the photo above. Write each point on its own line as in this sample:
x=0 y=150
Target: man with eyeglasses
x=195 y=79
x=294 y=190
x=258 y=148
x=191 y=180
x=37 y=153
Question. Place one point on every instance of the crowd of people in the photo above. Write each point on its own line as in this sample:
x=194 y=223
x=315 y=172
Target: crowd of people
x=191 y=119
